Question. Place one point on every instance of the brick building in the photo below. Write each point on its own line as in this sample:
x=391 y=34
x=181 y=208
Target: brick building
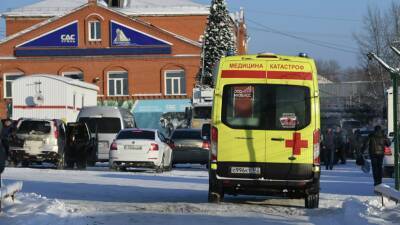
x=131 y=50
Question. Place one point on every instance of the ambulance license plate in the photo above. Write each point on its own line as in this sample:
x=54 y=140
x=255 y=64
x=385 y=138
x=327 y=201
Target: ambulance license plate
x=246 y=170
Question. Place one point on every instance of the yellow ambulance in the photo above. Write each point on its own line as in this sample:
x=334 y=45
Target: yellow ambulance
x=265 y=128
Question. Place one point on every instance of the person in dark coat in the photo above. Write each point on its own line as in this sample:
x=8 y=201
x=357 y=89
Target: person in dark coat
x=340 y=146
x=5 y=136
x=376 y=143
x=329 y=144
x=358 y=146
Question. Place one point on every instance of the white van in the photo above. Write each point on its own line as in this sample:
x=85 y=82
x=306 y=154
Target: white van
x=105 y=122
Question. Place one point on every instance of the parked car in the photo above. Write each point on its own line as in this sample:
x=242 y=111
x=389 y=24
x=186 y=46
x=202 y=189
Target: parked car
x=80 y=148
x=104 y=123
x=388 y=160
x=140 y=148
x=37 y=141
x=189 y=147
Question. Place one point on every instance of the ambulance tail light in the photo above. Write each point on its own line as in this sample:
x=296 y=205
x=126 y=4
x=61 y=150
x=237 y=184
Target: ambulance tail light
x=214 y=144
x=316 y=137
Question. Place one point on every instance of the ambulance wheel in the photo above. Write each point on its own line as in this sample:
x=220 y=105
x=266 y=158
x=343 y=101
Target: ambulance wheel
x=312 y=201
x=215 y=189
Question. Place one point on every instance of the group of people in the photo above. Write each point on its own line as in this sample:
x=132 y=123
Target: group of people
x=333 y=146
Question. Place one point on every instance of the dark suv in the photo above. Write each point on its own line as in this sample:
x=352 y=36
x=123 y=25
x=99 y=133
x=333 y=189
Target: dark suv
x=80 y=148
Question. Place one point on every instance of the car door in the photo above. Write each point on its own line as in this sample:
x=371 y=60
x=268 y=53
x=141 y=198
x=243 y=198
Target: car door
x=166 y=149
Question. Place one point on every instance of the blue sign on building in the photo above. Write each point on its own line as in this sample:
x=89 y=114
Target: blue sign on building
x=65 y=36
x=122 y=35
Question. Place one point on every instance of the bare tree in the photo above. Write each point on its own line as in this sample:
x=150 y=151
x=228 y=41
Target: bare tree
x=381 y=30
x=329 y=69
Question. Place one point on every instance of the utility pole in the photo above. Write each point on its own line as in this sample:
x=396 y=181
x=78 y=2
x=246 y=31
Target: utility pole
x=395 y=74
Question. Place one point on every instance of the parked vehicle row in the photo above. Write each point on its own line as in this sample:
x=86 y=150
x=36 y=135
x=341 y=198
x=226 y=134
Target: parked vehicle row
x=104 y=134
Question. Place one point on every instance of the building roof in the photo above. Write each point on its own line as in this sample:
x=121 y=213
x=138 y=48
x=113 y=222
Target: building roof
x=51 y=8
x=66 y=80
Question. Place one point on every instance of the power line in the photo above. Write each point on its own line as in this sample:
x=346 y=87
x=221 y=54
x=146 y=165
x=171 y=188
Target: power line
x=309 y=33
x=333 y=46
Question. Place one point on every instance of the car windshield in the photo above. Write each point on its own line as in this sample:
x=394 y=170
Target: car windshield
x=38 y=127
x=186 y=134
x=136 y=134
x=102 y=125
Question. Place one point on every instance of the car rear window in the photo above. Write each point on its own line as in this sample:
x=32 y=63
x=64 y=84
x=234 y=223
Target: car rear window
x=202 y=112
x=186 y=134
x=35 y=127
x=106 y=125
x=266 y=107
x=136 y=134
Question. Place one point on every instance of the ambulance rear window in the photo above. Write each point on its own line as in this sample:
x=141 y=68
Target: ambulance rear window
x=266 y=107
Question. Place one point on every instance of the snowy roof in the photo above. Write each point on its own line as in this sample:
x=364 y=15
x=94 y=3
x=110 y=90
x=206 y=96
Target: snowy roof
x=66 y=80
x=50 y=8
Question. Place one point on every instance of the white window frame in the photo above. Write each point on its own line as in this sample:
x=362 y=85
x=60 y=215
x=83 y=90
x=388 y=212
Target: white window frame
x=115 y=85
x=90 y=30
x=172 y=84
x=5 y=75
x=65 y=74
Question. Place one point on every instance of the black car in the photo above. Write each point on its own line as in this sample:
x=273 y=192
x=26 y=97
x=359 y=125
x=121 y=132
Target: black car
x=189 y=147
x=80 y=148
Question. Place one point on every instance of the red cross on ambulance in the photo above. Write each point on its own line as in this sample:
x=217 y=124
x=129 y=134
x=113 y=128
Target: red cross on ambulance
x=296 y=144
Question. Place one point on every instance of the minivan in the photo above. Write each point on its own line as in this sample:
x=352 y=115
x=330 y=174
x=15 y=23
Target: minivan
x=265 y=128
x=105 y=122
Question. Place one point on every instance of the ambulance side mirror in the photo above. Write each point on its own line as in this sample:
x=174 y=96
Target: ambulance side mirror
x=206 y=131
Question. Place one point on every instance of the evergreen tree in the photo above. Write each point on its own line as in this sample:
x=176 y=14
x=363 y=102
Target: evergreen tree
x=218 y=39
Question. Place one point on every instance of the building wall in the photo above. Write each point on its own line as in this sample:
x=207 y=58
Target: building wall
x=145 y=72
x=15 y=25
x=145 y=75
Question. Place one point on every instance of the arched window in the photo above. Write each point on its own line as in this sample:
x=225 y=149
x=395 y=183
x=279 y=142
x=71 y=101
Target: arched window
x=118 y=84
x=94 y=27
x=175 y=82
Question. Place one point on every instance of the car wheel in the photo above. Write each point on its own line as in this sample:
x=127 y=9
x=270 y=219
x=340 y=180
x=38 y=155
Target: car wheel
x=81 y=164
x=91 y=163
x=24 y=163
x=160 y=168
x=61 y=162
x=114 y=167
x=311 y=201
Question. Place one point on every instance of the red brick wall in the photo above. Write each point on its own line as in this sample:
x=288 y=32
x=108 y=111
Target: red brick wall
x=15 y=25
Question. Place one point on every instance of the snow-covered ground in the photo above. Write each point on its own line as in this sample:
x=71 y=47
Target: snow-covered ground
x=98 y=196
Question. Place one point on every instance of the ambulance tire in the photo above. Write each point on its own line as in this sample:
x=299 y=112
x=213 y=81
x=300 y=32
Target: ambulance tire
x=312 y=201
x=215 y=189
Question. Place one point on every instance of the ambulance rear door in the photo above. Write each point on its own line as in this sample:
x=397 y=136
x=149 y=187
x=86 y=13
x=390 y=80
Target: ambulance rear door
x=241 y=139
x=290 y=123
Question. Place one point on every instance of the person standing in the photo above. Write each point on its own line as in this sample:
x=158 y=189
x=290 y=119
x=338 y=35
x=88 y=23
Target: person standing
x=376 y=143
x=5 y=136
x=329 y=144
x=339 y=144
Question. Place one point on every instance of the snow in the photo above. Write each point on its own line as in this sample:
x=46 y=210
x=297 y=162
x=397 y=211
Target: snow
x=49 y=8
x=98 y=196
